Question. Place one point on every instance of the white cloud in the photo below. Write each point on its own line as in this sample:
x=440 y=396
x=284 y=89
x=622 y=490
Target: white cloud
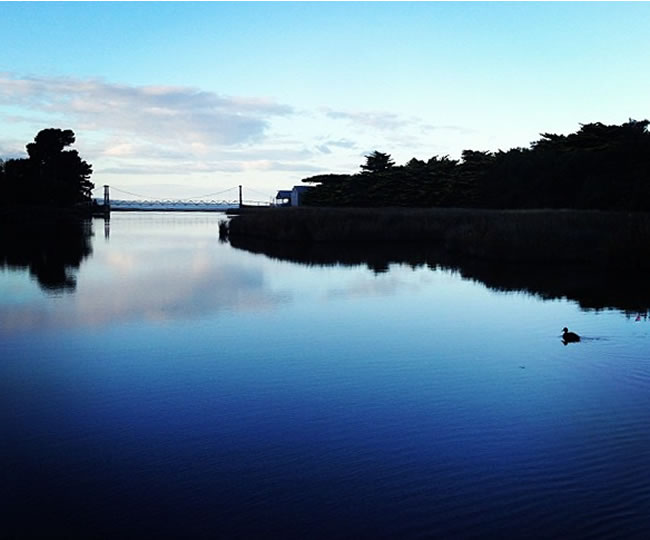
x=163 y=131
x=270 y=165
x=151 y=113
x=10 y=150
x=386 y=121
x=377 y=120
x=342 y=143
x=324 y=149
x=121 y=150
x=220 y=166
x=345 y=144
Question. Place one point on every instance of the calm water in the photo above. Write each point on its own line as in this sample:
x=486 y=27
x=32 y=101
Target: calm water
x=154 y=381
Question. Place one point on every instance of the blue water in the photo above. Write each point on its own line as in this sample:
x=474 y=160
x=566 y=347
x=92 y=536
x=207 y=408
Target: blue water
x=184 y=388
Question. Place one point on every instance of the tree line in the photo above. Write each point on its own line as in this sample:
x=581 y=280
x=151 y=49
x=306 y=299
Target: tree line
x=50 y=175
x=599 y=166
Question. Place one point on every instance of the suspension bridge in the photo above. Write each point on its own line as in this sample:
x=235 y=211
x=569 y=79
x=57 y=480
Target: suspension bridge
x=208 y=202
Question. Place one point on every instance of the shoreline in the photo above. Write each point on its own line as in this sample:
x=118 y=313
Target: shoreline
x=19 y=213
x=617 y=239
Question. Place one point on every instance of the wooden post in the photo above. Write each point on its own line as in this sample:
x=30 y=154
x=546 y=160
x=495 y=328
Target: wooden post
x=241 y=201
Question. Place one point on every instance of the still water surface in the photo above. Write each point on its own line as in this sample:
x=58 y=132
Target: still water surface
x=173 y=385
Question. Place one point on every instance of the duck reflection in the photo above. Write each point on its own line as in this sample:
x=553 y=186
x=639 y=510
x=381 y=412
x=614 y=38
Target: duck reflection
x=52 y=251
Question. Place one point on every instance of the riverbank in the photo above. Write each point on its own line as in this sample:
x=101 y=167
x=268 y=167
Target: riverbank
x=618 y=239
x=22 y=213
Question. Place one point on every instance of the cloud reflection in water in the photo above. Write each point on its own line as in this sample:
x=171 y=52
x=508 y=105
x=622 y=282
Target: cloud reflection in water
x=161 y=274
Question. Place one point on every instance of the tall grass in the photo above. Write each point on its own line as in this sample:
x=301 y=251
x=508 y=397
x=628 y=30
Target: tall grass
x=604 y=238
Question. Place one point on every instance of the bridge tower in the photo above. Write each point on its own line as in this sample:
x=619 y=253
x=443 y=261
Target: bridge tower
x=107 y=200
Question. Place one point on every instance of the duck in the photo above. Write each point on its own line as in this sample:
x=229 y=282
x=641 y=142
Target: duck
x=569 y=337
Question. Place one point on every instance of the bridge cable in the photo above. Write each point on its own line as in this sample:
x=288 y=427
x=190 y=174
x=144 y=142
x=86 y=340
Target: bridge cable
x=160 y=198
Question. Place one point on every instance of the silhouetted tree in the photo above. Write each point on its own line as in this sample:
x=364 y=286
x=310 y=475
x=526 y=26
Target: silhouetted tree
x=377 y=162
x=50 y=175
x=415 y=163
x=17 y=182
x=49 y=143
x=599 y=166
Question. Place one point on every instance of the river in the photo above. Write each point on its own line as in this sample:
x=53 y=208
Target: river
x=155 y=381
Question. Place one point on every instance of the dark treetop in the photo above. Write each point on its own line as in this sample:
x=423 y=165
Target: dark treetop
x=50 y=175
x=598 y=167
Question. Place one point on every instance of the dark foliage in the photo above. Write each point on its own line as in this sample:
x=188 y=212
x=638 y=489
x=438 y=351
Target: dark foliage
x=377 y=162
x=50 y=175
x=598 y=167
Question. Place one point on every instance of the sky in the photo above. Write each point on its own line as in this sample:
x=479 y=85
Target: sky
x=181 y=100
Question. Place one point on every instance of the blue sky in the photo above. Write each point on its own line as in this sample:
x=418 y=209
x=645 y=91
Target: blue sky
x=181 y=99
